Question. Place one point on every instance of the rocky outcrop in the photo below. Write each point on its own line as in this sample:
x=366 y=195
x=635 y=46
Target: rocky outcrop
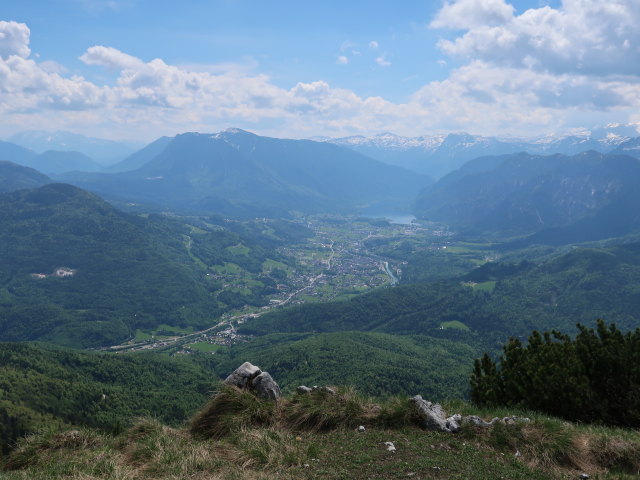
x=435 y=418
x=243 y=375
x=303 y=390
x=266 y=387
x=250 y=377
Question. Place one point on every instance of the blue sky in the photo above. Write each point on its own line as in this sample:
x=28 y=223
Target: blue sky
x=138 y=69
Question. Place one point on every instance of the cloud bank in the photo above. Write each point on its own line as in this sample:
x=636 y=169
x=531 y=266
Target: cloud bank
x=545 y=69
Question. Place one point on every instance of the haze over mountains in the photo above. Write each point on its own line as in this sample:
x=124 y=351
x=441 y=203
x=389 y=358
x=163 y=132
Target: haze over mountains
x=103 y=151
x=523 y=194
x=234 y=172
x=437 y=155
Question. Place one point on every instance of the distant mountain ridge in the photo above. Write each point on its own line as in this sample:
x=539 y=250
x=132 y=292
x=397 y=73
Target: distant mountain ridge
x=48 y=162
x=235 y=171
x=104 y=151
x=16 y=177
x=439 y=154
x=597 y=195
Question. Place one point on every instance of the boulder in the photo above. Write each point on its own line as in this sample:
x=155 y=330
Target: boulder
x=266 y=387
x=243 y=375
x=433 y=414
x=303 y=390
x=250 y=377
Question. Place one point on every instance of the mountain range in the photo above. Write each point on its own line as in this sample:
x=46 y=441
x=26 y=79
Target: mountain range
x=437 y=155
x=105 y=152
x=48 y=162
x=234 y=172
x=594 y=195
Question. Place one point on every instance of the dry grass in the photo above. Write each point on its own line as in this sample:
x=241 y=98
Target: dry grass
x=230 y=410
x=323 y=411
x=238 y=436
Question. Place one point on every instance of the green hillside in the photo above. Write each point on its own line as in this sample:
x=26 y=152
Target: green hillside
x=41 y=387
x=378 y=364
x=579 y=286
x=78 y=272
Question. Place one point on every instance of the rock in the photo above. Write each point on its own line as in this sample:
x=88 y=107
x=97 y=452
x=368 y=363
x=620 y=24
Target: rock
x=584 y=476
x=390 y=446
x=361 y=429
x=265 y=386
x=434 y=416
x=250 y=377
x=242 y=376
x=323 y=390
x=453 y=423
x=475 y=420
x=302 y=390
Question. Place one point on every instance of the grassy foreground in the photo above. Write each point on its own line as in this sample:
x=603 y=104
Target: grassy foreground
x=237 y=436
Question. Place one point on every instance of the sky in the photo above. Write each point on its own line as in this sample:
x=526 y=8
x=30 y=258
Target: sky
x=139 y=69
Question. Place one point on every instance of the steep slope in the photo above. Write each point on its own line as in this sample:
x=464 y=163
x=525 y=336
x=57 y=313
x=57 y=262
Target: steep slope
x=142 y=156
x=523 y=194
x=237 y=171
x=76 y=271
x=16 y=177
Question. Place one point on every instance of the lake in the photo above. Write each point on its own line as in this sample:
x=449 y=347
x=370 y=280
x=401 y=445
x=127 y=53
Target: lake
x=397 y=218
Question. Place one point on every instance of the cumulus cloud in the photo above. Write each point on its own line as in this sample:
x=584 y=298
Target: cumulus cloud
x=14 y=39
x=467 y=14
x=373 y=44
x=581 y=37
x=515 y=80
x=111 y=58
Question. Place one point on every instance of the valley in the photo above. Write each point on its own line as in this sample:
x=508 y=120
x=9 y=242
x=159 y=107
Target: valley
x=344 y=257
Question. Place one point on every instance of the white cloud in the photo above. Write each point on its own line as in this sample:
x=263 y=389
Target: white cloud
x=342 y=60
x=111 y=58
x=466 y=14
x=496 y=91
x=14 y=39
x=382 y=61
x=373 y=45
x=581 y=37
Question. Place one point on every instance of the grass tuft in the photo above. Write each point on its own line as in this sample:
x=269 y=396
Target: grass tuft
x=230 y=410
x=321 y=410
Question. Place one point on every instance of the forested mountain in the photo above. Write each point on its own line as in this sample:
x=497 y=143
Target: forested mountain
x=236 y=171
x=42 y=386
x=580 y=286
x=16 y=177
x=76 y=271
x=522 y=194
